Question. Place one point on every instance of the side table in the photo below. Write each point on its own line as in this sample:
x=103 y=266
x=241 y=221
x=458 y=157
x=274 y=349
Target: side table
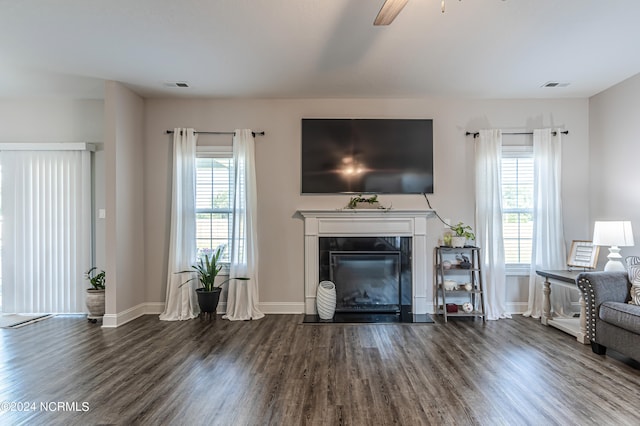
x=574 y=326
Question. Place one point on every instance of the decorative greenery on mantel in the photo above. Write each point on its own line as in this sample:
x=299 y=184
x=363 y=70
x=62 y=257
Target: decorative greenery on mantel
x=360 y=202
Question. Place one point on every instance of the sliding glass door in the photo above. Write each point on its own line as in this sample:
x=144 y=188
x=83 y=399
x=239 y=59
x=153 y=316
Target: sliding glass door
x=46 y=230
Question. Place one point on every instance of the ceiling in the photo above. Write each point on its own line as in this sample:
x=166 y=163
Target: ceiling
x=317 y=48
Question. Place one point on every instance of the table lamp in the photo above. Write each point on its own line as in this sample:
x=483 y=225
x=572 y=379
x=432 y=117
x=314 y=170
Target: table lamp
x=613 y=233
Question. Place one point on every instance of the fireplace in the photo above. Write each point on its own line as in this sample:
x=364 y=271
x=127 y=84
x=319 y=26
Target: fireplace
x=366 y=281
x=385 y=231
x=371 y=274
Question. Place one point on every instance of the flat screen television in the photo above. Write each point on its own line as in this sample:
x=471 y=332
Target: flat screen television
x=381 y=156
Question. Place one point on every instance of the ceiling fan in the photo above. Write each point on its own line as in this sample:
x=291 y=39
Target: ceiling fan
x=388 y=12
x=391 y=8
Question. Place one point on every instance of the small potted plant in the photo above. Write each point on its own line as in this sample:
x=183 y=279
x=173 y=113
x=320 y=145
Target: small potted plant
x=462 y=233
x=207 y=269
x=95 y=294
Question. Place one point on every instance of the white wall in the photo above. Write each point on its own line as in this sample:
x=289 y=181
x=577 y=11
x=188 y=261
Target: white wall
x=51 y=120
x=124 y=150
x=613 y=163
x=278 y=171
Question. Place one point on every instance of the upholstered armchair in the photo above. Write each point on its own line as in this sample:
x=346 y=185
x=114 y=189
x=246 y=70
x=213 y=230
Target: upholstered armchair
x=611 y=321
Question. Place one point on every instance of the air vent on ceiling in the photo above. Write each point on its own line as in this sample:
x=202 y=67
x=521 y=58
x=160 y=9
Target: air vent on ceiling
x=554 y=84
x=176 y=84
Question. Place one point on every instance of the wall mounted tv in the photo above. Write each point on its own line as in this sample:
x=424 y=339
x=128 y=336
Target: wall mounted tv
x=382 y=156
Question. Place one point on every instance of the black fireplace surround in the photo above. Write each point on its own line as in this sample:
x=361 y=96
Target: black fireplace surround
x=372 y=275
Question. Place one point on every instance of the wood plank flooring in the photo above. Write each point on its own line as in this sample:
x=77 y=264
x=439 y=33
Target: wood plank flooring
x=278 y=371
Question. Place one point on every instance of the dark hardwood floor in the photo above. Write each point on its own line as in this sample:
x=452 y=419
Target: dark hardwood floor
x=281 y=372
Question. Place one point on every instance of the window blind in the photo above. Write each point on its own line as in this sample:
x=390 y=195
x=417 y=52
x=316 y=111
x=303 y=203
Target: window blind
x=46 y=230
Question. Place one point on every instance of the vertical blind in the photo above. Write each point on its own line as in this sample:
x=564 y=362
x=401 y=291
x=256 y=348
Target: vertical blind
x=46 y=234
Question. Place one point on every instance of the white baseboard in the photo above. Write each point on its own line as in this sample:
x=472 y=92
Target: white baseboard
x=282 y=307
x=116 y=320
x=517 y=308
x=271 y=307
x=154 y=308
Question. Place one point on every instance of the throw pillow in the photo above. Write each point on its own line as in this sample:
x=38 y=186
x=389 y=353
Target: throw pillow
x=633 y=263
x=632 y=260
x=635 y=292
x=633 y=271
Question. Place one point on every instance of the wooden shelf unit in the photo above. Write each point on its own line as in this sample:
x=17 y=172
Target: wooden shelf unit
x=471 y=275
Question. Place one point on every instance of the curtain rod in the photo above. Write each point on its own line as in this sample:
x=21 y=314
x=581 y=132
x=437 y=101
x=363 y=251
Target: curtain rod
x=218 y=133
x=476 y=134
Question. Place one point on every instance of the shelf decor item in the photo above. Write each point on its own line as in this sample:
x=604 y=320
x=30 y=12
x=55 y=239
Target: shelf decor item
x=463 y=261
x=326 y=300
x=467 y=307
x=583 y=254
x=450 y=285
x=462 y=233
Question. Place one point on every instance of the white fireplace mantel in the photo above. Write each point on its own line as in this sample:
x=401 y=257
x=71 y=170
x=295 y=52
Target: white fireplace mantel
x=367 y=223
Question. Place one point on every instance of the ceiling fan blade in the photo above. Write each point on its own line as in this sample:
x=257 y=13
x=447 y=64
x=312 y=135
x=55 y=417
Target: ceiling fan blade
x=389 y=11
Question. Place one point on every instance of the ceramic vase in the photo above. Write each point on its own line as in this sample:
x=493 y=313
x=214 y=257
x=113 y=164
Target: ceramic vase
x=326 y=300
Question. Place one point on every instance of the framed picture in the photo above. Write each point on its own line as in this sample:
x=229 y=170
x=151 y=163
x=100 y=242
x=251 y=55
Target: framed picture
x=583 y=254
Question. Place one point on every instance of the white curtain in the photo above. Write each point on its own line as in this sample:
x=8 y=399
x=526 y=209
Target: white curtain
x=46 y=230
x=489 y=222
x=548 y=250
x=181 y=302
x=242 y=296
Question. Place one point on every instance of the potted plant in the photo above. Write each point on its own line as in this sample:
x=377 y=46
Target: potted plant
x=95 y=294
x=462 y=233
x=207 y=269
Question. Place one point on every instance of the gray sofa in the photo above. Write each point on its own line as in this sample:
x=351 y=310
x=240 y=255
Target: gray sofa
x=611 y=321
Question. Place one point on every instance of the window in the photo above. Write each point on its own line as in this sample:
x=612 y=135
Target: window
x=214 y=195
x=517 y=206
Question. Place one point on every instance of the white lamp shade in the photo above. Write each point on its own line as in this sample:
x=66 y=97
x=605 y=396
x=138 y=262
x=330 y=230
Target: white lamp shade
x=613 y=233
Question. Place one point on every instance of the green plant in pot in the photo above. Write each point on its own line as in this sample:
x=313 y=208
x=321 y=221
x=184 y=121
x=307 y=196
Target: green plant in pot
x=461 y=233
x=95 y=294
x=207 y=269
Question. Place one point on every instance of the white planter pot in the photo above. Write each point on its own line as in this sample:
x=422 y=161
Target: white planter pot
x=326 y=300
x=458 y=241
x=95 y=304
